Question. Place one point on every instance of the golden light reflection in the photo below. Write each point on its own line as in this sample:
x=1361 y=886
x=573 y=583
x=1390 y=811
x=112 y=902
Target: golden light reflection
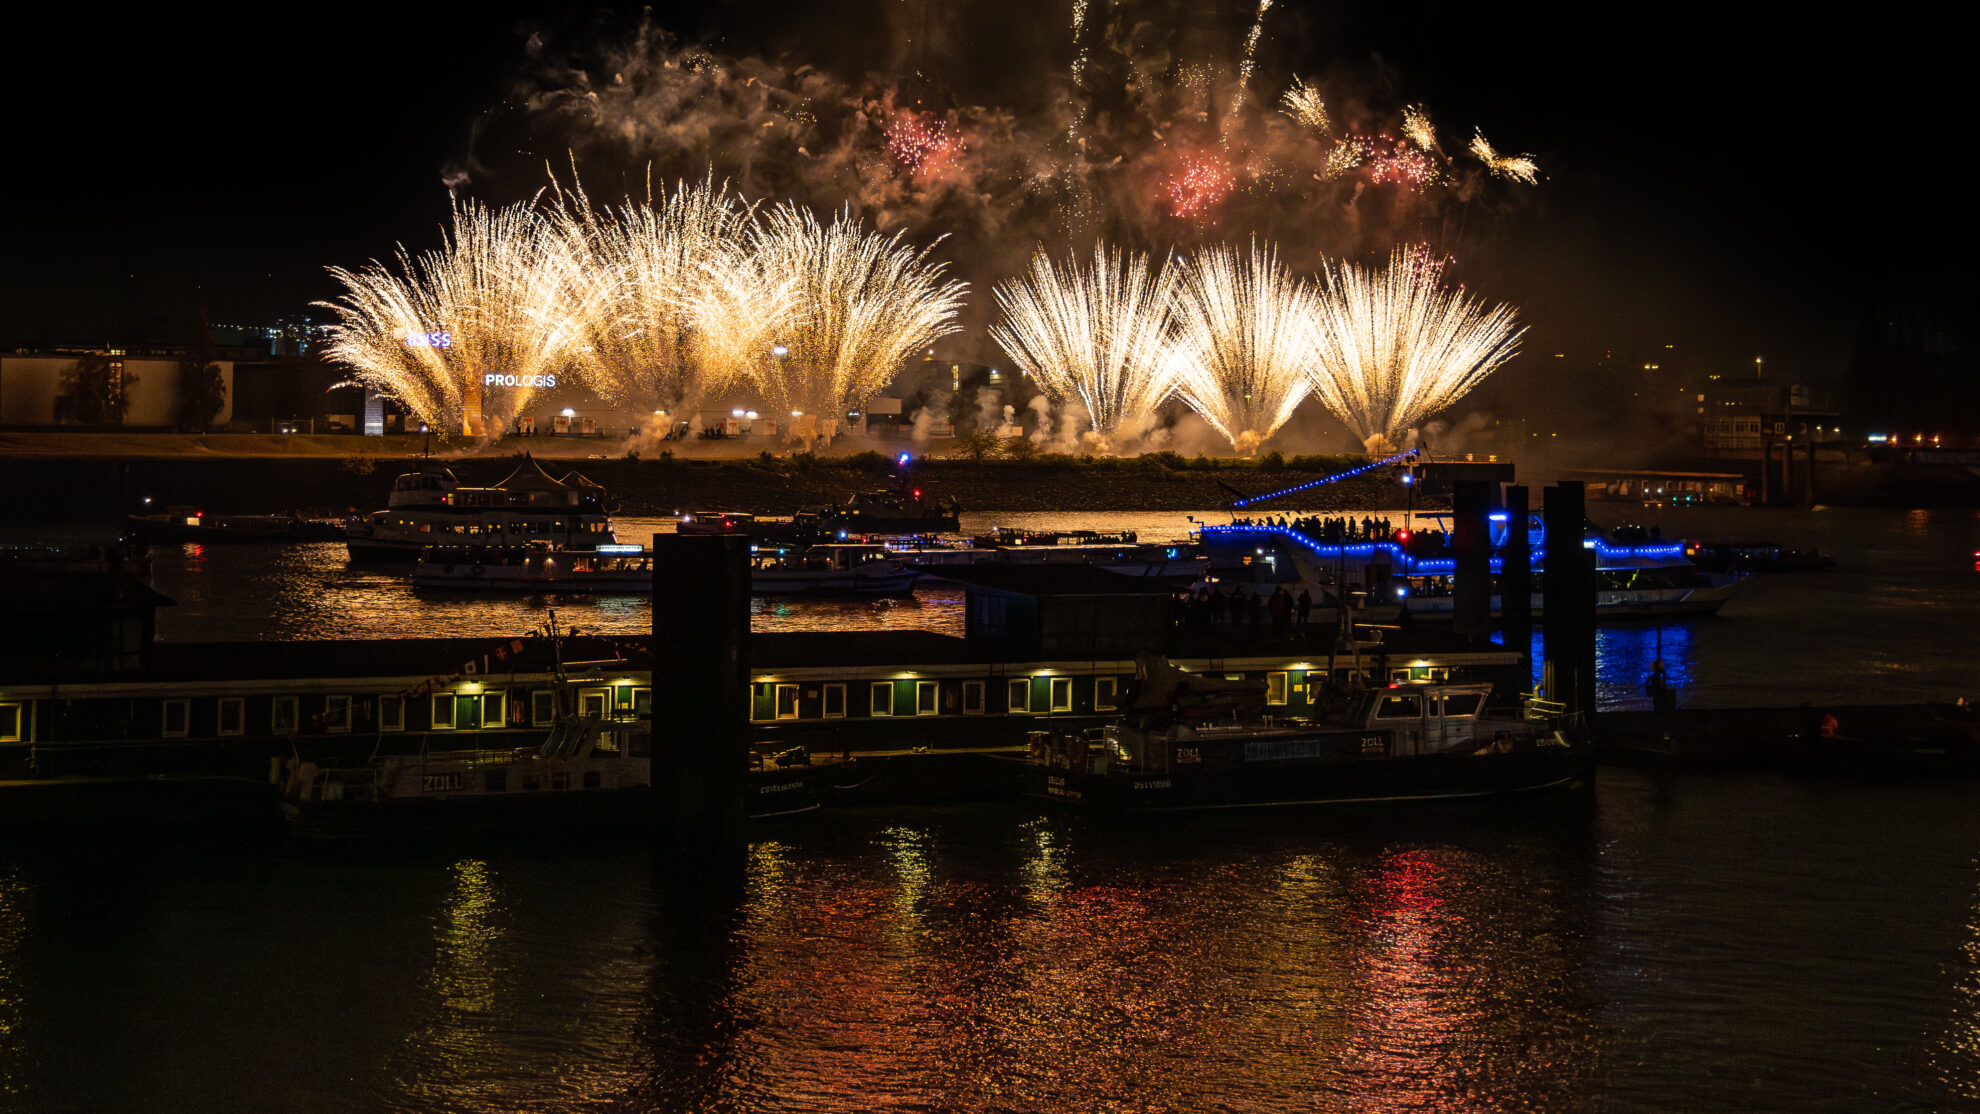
x=1955 y=1056
x=16 y=899
x=458 y=1047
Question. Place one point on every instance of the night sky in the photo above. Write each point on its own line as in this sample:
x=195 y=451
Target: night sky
x=1737 y=184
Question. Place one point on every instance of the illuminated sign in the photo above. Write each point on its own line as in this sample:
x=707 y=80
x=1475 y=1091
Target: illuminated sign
x=495 y=380
x=429 y=340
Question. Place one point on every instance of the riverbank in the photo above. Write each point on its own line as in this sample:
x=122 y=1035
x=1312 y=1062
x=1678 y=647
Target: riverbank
x=75 y=488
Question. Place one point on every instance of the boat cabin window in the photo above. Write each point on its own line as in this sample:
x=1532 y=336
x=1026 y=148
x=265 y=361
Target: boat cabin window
x=494 y=709
x=643 y=702
x=881 y=698
x=787 y=702
x=1275 y=688
x=283 y=717
x=336 y=713
x=594 y=702
x=233 y=716
x=972 y=698
x=927 y=698
x=12 y=719
x=1019 y=694
x=391 y=713
x=1461 y=703
x=176 y=720
x=1106 y=693
x=543 y=707
x=1408 y=706
x=1062 y=700
x=835 y=701
x=443 y=711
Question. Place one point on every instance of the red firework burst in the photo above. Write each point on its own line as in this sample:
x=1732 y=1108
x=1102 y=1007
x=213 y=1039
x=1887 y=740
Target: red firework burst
x=1199 y=187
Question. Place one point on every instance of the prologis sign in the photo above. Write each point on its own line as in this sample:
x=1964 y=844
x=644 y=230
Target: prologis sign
x=543 y=382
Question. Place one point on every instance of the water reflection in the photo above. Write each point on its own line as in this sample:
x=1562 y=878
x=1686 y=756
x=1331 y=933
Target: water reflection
x=456 y=1047
x=16 y=897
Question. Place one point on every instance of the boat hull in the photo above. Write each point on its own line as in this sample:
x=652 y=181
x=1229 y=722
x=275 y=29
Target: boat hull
x=1426 y=778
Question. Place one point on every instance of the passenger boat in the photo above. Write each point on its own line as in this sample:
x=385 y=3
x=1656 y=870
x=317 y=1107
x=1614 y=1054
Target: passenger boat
x=843 y=570
x=538 y=567
x=839 y=570
x=755 y=527
x=1193 y=742
x=1745 y=557
x=1628 y=585
x=431 y=508
x=193 y=525
x=1120 y=551
x=906 y=511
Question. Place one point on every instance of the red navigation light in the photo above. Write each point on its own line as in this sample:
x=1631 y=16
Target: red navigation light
x=728 y=523
x=199 y=514
x=917 y=493
x=1402 y=535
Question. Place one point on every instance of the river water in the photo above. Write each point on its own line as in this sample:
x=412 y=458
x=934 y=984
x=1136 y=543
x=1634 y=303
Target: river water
x=1664 y=942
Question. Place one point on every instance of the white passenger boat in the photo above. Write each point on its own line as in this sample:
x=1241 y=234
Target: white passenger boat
x=535 y=568
x=429 y=508
x=842 y=570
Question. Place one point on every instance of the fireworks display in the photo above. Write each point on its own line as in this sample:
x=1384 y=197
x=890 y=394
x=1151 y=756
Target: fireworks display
x=1196 y=190
x=1519 y=168
x=1243 y=336
x=1302 y=102
x=465 y=334
x=1158 y=140
x=643 y=305
x=844 y=310
x=1093 y=334
x=642 y=280
x=1394 y=347
x=923 y=144
x=1416 y=125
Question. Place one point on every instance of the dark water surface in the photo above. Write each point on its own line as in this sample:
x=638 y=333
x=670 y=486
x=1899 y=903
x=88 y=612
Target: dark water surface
x=1664 y=943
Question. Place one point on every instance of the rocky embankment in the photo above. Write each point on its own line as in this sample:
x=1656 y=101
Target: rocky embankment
x=78 y=488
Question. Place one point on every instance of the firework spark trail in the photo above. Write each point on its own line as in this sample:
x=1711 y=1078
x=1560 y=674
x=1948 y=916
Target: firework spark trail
x=1246 y=67
x=465 y=332
x=644 y=270
x=1395 y=348
x=1244 y=332
x=1416 y=125
x=1519 y=168
x=1349 y=153
x=1302 y=102
x=1095 y=333
x=1078 y=69
x=851 y=308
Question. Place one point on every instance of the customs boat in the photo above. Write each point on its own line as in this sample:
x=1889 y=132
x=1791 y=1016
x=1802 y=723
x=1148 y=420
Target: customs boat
x=1193 y=742
x=431 y=508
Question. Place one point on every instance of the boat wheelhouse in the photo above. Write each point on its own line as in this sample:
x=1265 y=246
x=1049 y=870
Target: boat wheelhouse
x=431 y=508
x=1196 y=742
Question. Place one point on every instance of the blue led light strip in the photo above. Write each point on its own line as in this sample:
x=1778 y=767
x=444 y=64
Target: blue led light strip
x=1382 y=463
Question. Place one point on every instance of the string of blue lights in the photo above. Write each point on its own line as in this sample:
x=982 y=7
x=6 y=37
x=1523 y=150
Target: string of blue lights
x=1382 y=463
